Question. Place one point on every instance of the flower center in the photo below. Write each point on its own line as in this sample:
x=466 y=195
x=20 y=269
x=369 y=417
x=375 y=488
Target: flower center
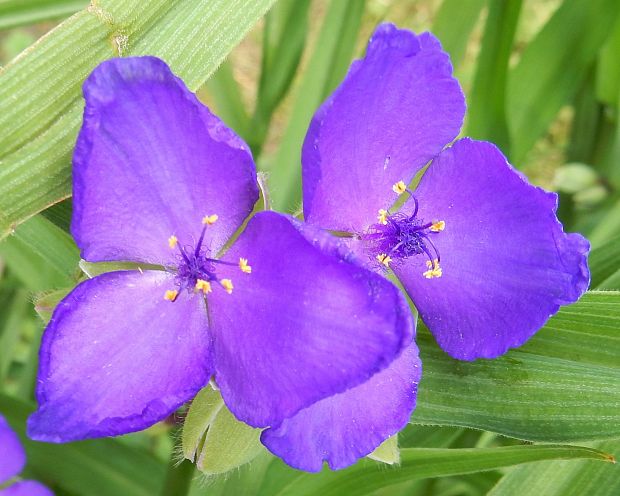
x=399 y=236
x=196 y=271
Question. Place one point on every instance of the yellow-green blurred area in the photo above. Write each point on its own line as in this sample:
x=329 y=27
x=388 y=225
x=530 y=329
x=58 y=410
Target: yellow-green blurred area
x=542 y=80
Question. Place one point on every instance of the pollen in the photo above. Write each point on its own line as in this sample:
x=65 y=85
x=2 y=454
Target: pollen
x=438 y=226
x=171 y=295
x=173 y=241
x=202 y=285
x=382 y=217
x=243 y=265
x=399 y=188
x=227 y=285
x=434 y=270
x=209 y=220
x=384 y=259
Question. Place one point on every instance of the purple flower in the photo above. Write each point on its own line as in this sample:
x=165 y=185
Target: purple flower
x=12 y=462
x=283 y=319
x=478 y=249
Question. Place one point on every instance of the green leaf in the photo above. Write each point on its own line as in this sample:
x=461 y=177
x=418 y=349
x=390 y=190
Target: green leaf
x=561 y=478
x=223 y=89
x=420 y=463
x=284 y=39
x=552 y=67
x=40 y=99
x=214 y=438
x=15 y=307
x=561 y=386
x=608 y=227
x=52 y=244
x=15 y=13
x=326 y=68
x=486 y=118
x=604 y=264
x=454 y=30
x=607 y=74
x=105 y=464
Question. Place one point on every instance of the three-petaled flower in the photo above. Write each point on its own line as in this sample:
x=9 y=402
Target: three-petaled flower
x=479 y=250
x=282 y=316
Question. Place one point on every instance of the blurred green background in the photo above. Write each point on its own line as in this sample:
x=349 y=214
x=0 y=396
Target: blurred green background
x=542 y=80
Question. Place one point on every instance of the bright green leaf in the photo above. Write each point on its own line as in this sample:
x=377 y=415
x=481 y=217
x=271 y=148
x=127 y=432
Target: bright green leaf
x=214 y=438
x=486 y=118
x=331 y=56
x=562 y=478
x=420 y=463
x=552 y=67
x=40 y=98
x=561 y=386
x=23 y=12
x=454 y=30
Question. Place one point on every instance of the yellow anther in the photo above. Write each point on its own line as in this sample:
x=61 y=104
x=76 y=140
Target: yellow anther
x=202 y=285
x=382 y=217
x=171 y=295
x=209 y=220
x=434 y=270
x=173 y=241
x=399 y=188
x=227 y=285
x=438 y=226
x=243 y=265
x=384 y=259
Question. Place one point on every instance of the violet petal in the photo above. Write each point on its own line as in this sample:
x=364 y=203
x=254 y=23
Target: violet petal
x=26 y=488
x=396 y=109
x=150 y=162
x=12 y=454
x=116 y=357
x=506 y=263
x=305 y=324
x=347 y=426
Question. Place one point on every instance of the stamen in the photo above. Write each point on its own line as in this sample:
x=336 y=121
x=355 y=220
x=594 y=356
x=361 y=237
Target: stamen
x=382 y=217
x=438 y=226
x=227 y=285
x=384 y=259
x=173 y=241
x=243 y=265
x=204 y=286
x=171 y=294
x=209 y=220
x=434 y=269
x=399 y=188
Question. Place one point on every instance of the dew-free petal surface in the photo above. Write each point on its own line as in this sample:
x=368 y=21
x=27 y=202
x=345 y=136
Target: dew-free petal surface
x=307 y=323
x=395 y=110
x=507 y=264
x=347 y=426
x=12 y=454
x=116 y=357
x=150 y=162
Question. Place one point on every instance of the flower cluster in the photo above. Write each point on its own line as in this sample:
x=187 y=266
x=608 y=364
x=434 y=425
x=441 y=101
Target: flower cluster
x=300 y=329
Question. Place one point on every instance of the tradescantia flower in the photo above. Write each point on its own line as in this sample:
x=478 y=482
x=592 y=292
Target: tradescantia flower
x=479 y=250
x=12 y=462
x=282 y=319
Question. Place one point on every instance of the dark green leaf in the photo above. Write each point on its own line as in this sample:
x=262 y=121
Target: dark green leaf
x=105 y=466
